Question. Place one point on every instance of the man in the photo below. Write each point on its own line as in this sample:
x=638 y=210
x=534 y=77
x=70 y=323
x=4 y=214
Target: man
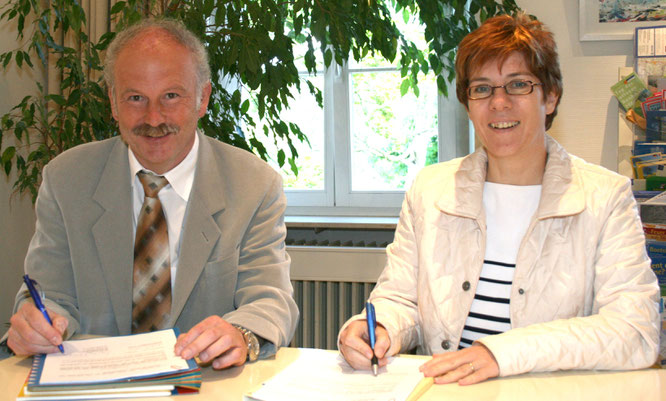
x=213 y=263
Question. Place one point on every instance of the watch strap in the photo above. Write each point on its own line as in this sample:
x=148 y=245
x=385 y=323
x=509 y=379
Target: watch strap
x=251 y=341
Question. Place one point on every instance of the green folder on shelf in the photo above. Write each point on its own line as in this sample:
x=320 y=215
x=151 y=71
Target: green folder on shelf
x=629 y=89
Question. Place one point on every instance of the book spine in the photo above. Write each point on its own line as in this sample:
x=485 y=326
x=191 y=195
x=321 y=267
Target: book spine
x=656 y=248
x=36 y=371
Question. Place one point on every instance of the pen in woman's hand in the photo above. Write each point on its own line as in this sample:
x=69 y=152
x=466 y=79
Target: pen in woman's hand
x=372 y=325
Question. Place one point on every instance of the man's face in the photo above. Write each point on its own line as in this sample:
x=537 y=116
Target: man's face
x=154 y=99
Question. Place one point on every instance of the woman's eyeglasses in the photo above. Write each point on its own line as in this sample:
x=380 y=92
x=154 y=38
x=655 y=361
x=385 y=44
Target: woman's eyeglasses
x=516 y=87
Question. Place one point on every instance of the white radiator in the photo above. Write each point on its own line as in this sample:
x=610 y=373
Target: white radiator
x=330 y=285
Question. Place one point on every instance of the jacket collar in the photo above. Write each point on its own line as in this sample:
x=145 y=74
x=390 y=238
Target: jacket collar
x=561 y=192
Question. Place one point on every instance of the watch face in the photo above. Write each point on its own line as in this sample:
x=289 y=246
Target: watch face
x=252 y=347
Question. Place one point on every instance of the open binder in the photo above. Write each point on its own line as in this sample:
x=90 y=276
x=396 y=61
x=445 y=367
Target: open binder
x=141 y=365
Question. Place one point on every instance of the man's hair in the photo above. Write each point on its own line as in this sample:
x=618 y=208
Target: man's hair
x=176 y=30
x=499 y=37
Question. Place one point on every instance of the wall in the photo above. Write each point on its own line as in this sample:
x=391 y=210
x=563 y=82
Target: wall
x=587 y=120
x=17 y=219
x=586 y=124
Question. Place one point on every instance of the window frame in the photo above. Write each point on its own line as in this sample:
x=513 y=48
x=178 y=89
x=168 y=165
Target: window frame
x=455 y=139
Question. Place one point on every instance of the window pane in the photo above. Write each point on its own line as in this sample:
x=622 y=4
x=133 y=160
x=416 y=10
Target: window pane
x=304 y=112
x=307 y=114
x=392 y=136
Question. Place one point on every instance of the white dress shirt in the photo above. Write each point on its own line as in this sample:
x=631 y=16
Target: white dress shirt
x=173 y=197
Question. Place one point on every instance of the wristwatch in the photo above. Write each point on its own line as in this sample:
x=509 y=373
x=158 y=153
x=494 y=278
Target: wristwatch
x=251 y=341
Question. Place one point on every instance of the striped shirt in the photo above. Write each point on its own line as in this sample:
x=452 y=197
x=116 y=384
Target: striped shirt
x=509 y=209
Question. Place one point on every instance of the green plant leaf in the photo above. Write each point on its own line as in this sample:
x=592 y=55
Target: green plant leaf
x=404 y=86
x=27 y=60
x=245 y=106
x=118 y=7
x=7 y=157
x=58 y=99
x=281 y=157
x=8 y=57
x=328 y=57
x=294 y=167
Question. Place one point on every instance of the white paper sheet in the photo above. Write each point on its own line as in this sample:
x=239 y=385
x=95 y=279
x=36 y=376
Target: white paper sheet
x=112 y=358
x=325 y=376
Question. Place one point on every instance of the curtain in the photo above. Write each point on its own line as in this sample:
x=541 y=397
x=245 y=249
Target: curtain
x=98 y=23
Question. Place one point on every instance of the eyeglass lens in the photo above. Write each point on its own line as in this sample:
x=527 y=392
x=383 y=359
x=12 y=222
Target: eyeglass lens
x=517 y=87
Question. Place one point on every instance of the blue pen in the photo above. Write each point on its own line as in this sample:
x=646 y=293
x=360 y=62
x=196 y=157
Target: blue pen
x=38 y=302
x=372 y=325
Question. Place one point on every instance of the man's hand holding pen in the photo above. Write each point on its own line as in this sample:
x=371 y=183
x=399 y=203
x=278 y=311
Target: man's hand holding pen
x=355 y=345
x=31 y=334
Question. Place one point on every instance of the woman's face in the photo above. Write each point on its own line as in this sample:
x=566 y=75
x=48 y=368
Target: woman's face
x=510 y=127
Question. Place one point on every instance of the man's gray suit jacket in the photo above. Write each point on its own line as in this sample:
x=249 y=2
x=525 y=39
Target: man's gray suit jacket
x=232 y=262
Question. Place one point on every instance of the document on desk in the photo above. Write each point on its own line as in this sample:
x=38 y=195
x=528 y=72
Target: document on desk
x=326 y=376
x=112 y=358
x=139 y=365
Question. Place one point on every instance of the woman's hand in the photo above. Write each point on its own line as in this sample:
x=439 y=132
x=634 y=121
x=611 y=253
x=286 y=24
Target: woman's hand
x=354 y=346
x=468 y=366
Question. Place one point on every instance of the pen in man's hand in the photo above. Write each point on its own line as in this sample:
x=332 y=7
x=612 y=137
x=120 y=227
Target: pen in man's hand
x=372 y=325
x=30 y=283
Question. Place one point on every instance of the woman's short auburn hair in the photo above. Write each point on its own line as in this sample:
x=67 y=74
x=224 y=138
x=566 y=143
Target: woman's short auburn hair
x=499 y=37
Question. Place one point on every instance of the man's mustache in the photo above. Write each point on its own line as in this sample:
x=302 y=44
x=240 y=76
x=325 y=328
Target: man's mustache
x=155 y=132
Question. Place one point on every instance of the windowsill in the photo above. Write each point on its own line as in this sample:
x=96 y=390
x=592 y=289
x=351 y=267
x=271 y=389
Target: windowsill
x=352 y=222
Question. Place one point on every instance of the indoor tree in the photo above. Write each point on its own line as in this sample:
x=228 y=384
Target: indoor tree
x=250 y=44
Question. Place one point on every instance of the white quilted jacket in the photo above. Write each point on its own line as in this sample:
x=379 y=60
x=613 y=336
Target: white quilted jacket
x=583 y=295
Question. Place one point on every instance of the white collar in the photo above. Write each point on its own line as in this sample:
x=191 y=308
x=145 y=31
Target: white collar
x=181 y=177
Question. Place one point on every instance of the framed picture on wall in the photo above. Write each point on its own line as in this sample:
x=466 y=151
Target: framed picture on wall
x=617 y=19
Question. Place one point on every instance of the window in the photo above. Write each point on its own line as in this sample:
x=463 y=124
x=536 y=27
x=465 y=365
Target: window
x=368 y=142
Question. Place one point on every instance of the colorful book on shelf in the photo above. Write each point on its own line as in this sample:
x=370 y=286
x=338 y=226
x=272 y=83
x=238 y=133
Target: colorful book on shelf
x=653 y=103
x=655 y=248
x=645 y=195
x=654 y=231
x=658 y=264
x=140 y=365
x=655 y=129
x=629 y=90
x=643 y=147
x=643 y=158
x=650 y=168
x=655 y=183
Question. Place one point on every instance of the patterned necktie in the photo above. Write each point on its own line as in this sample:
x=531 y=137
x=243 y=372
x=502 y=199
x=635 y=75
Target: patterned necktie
x=151 y=293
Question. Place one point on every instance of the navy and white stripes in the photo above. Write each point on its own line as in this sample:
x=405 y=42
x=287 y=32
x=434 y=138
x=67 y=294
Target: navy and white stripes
x=508 y=211
x=490 y=309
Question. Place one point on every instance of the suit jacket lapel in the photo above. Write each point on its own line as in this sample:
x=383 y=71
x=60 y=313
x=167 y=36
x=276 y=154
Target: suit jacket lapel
x=201 y=231
x=114 y=245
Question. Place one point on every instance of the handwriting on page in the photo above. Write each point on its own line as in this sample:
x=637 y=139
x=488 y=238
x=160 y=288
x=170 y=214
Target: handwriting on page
x=106 y=359
x=325 y=376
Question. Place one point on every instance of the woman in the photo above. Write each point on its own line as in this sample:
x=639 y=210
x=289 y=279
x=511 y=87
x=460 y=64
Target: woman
x=518 y=257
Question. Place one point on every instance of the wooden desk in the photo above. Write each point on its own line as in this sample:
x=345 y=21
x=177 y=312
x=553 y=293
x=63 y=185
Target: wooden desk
x=230 y=384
